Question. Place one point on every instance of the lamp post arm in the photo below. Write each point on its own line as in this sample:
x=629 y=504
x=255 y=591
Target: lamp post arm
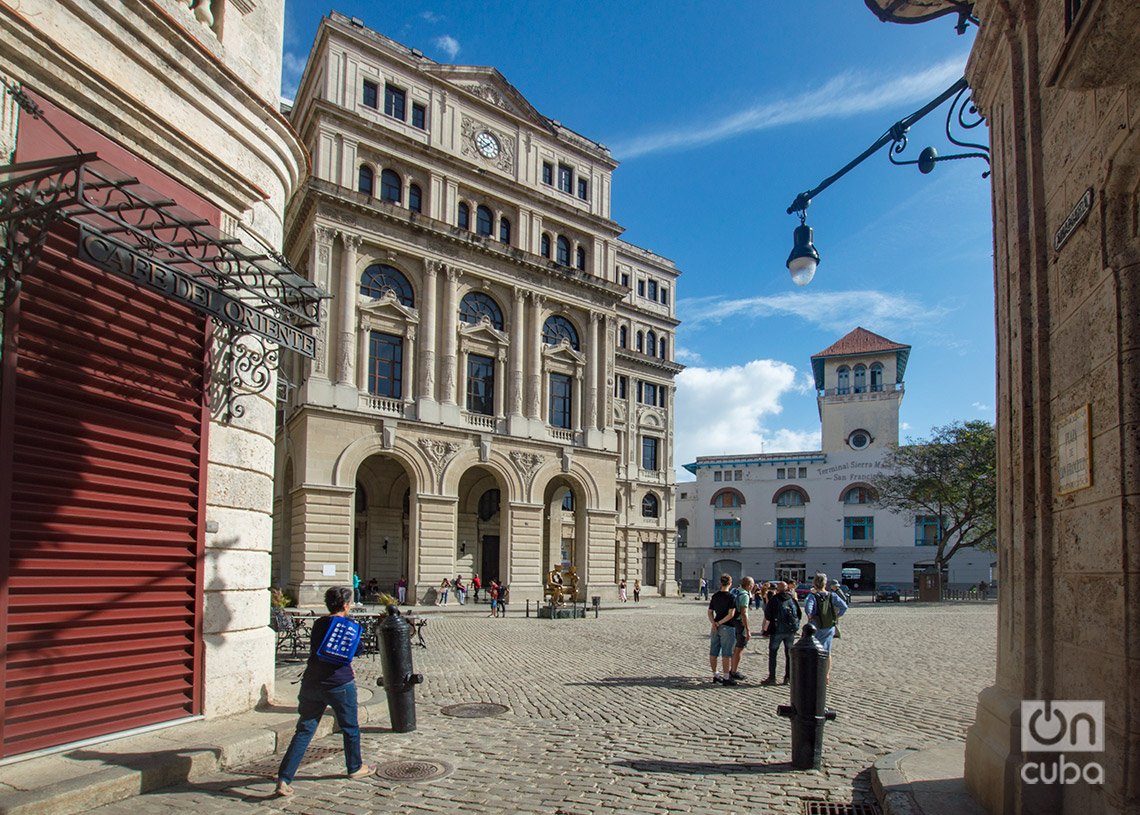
x=894 y=134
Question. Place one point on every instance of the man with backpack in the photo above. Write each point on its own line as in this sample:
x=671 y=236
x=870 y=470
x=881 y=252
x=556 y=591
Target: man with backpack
x=742 y=597
x=824 y=608
x=782 y=613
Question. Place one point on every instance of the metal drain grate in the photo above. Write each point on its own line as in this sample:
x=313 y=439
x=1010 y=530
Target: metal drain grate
x=268 y=766
x=475 y=710
x=839 y=808
x=413 y=770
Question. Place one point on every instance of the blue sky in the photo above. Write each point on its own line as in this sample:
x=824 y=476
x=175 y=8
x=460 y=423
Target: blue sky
x=720 y=113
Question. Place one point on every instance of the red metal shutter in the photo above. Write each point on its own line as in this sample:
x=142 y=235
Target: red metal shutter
x=103 y=589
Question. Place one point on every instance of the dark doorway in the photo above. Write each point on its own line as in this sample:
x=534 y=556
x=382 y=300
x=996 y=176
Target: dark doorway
x=858 y=575
x=490 y=559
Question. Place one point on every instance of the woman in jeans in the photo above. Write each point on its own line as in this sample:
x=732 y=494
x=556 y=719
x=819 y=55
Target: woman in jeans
x=325 y=684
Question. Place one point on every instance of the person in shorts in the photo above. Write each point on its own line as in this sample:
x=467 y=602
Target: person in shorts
x=742 y=597
x=722 y=637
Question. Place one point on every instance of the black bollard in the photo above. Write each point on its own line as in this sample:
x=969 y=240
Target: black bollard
x=397 y=680
x=808 y=710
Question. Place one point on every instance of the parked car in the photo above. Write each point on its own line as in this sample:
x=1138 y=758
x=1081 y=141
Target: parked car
x=803 y=590
x=887 y=592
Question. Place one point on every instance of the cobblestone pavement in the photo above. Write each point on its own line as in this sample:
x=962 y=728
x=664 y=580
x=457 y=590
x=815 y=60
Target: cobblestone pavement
x=619 y=714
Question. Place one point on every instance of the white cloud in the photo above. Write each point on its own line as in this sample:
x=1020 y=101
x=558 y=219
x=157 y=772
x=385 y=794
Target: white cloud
x=837 y=311
x=448 y=45
x=431 y=16
x=292 y=66
x=844 y=95
x=904 y=426
x=981 y=407
x=685 y=355
x=723 y=411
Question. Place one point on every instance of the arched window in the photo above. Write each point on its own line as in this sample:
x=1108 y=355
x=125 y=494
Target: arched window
x=650 y=506
x=727 y=499
x=859 y=494
x=860 y=379
x=844 y=374
x=623 y=337
x=366 y=179
x=568 y=502
x=640 y=341
x=488 y=505
x=545 y=250
x=391 y=189
x=661 y=347
x=580 y=259
x=651 y=344
x=476 y=305
x=682 y=532
x=415 y=198
x=876 y=376
x=563 y=256
x=557 y=328
x=464 y=218
x=504 y=231
x=379 y=279
x=790 y=497
x=484 y=220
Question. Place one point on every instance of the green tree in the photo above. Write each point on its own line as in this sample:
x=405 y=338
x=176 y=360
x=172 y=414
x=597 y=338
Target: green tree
x=952 y=476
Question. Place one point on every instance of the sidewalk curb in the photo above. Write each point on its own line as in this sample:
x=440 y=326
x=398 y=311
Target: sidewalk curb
x=251 y=737
x=892 y=789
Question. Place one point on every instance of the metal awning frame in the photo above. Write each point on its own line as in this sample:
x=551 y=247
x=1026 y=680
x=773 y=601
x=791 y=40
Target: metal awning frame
x=82 y=189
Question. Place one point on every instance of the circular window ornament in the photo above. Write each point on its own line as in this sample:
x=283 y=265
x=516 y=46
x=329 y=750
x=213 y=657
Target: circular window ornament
x=859 y=440
x=487 y=144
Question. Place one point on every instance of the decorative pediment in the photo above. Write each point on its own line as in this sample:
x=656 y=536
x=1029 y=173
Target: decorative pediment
x=651 y=418
x=563 y=353
x=492 y=87
x=483 y=331
x=386 y=307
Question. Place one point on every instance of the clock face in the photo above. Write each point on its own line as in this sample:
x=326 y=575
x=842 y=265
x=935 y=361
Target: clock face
x=487 y=144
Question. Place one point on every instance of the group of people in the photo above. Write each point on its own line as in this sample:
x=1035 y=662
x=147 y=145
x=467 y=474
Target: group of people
x=497 y=593
x=732 y=624
x=623 y=596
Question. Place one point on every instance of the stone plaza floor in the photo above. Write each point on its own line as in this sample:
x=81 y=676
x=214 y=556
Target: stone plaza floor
x=619 y=714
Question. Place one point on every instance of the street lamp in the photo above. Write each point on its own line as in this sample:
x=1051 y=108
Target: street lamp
x=908 y=11
x=804 y=258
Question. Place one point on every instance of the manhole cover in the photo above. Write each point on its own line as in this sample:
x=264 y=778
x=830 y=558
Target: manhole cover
x=833 y=808
x=268 y=766
x=475 y=710
x=411 y=770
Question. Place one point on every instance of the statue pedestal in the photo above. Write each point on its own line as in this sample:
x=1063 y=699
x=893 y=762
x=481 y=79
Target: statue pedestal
x=549 y=612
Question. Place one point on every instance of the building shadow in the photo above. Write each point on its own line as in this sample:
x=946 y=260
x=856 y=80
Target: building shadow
x=672 y=682
x=703 y=767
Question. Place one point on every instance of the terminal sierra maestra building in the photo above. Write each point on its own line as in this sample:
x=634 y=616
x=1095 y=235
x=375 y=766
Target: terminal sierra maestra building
x=492 y=391
x=789 y=515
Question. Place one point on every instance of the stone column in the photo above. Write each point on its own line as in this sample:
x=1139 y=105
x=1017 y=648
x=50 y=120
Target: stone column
x=500 y=384
x=577 y=399
x=518 y=321
x=321 y=258
x=450 y=328
x=592 y=358
x=349 y=286
x=534 y=401
x=426 y=389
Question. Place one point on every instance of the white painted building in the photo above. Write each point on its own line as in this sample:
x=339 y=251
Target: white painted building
x=790 y=515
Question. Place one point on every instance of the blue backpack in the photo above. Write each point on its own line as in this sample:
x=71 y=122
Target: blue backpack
x=340 y=642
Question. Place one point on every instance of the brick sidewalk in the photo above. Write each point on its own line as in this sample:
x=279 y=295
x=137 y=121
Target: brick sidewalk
x=619 y=714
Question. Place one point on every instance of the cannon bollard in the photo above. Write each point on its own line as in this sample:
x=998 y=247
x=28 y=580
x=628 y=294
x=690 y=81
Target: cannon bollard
x=398 y=681
x=808 y=710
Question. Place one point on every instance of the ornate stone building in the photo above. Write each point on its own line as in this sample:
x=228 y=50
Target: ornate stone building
x=493 y=386
x=141 y=207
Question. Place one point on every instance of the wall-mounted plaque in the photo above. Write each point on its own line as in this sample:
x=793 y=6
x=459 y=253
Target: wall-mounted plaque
x=1074 y=452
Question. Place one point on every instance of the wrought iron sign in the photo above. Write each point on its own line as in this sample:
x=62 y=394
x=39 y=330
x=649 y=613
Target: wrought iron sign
x=132 y=230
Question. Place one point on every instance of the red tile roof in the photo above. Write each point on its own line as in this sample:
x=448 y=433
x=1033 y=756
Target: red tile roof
x=859 y=341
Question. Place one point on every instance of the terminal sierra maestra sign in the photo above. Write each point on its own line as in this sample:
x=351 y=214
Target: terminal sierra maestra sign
x=109 y=254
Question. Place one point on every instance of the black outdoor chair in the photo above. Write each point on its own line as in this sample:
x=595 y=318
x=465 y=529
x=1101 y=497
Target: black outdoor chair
x=291 y=632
